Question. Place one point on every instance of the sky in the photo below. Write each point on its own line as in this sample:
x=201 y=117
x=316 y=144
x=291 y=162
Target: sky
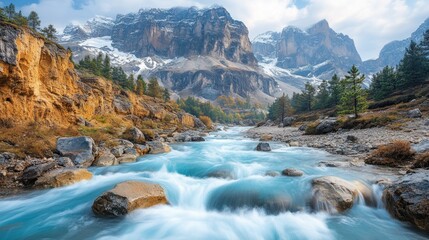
x=370 y=23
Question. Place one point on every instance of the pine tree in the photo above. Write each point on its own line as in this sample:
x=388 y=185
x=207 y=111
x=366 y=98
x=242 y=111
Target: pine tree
x=334 y=91
x=20 y=19
x=3 y=16
x=130 y=83
x=153 y=89
x=10 y=11
x=140 y=85
x=353 y=97
x=280 y=108
x=323 y=97
x=166 y=95
x=49 y=32
x=106 y=70
x=383 y=83
x=412 y=68
x=34 y=20
x=308 y=96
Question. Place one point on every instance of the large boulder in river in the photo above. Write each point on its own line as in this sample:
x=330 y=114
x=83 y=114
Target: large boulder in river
x=263 y=147
x=81 y=150
x=128 y=196
x=408 y=199
x=333 y=194
x=291 y=172
x=63 y=177
x=326 y=126
x=105 y=158
x=31 y=173
x=158 y=147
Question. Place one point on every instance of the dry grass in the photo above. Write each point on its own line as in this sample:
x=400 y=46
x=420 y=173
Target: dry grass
x=369 y=120
x=6 y=123
x=207 y=121
x=393 y=154
x=311 y=128
x=149 y=134
x=421 y=161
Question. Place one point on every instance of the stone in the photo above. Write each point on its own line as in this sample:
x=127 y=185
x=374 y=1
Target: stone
x=120 y=142
x=415 y=113
x=31 y=173
x=302 y=128
x=65 y=162
x=367 y=193
x=407 y=199
x=291 y=172
x=81 y=150
x=266 y=137
x=352 y=138
x=294 y=144
x=63 y=177
x=127 y=158
x=197 y=139
x=426 y=123
x=288 y=121
x=263 y=147
x=422 y=146
x=142 y=149
x=158 y=147
x=128 y=196
x=221 y=173
x=333 y=194
x=135 y=135
x=105 y=158
x=117 y=151
x=272 y=173
x=326 y=126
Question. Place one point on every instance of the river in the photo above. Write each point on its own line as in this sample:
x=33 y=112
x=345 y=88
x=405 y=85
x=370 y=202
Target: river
x=240 y=207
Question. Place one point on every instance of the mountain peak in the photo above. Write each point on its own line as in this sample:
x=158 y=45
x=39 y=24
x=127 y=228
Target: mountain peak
x=322 y=25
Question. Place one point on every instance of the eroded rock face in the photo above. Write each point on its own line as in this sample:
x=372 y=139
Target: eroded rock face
x=408 y=199
x=333 y=194
x=81 y=150
x=128 y=196
x=63 y=177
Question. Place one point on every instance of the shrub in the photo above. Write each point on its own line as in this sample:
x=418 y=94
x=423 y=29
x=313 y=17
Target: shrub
x=421 y=161
x=207 y=121
x=392 y=154
x=311 y=128
x=368 y=121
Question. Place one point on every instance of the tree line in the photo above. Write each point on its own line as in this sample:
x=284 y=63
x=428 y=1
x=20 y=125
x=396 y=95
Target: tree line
x=9 y=14
x=101 y=66
x=348 y=96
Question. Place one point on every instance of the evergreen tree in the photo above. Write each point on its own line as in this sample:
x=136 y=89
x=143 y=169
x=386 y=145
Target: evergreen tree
x=130 y=83
x=20 y=20
x=425 y=44
x=412 y=68
x=106 y=70
x=10 y=11
x=153 y=89
x=323 y=97
x=3 y=16
x=383 y=83
x=280 y=109
x=49 y=32
x=140 y=85
x=334 y=91
x=308 y=96
x=166 y=95
x=353 y=97
x=34 y=20
x=119 y=77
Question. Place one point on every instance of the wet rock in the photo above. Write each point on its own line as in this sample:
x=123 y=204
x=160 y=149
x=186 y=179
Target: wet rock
x=291 y=172
x=197 y=139
x=142 y=149
x=333 y=164
x=221 y=173
x=189 y=136
x=294 y=144
x=326 y=126
x=408 y=199
x=415 y=113
x=333 y=194
x=117 y=151
x=62 y=177
x=127 y=158
x=31 y=173
x=272 y=173
x=263 y=147
x=128 y=196
x=105 y=158
x=288 y=121
x=158 y=147
x=65 y=162
x=81 y=150
x=266 y=137
x=367 y=193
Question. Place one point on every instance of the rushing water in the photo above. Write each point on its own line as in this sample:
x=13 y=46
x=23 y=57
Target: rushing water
x=204 y=207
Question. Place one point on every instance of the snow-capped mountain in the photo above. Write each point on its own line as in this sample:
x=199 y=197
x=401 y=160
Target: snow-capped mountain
x=199 y=52
x=296 y=56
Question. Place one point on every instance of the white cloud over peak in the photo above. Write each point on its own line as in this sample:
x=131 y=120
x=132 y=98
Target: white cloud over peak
x=371 y=23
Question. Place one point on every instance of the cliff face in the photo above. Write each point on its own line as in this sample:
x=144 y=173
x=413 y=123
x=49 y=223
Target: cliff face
x=38 y=83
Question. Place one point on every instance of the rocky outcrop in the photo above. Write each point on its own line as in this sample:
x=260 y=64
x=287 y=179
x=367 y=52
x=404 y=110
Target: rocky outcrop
x=333 y=194
x=81 y=150
x=128 y=196
x=263 y=147
x=62 y=177
x=408 y=199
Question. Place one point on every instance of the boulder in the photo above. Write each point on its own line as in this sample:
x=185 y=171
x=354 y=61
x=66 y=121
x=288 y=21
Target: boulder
x=65 y=162
x=288 y=121
x=158 y=147
x=127 y=158
x=294 y=144
x=81 y=150
x=272 y=173
x=326 y=126
x=221 y=173
x=352 y=138
x=63 y=177
x=135 y=135
x=407 y=199
x=263 y=147
x=302 y=128
x=415 y=113
x=142 y=149
x=266 y=137
x=291 y=172
x=199 y=124
x=105 y=158
x=128 y=196
x=197 y=139
x=189 y=136
x=117 y=151
x=367 y=193
x=333 y=194
x=120 y=142
x=31 y=173
x=422 y=146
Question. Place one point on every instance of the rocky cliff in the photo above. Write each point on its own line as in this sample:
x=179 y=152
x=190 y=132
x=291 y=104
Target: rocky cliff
x=296 y=56
x=38 y=83
x=158 y=42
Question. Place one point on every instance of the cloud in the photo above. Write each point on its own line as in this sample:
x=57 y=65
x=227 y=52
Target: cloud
x=370 y=23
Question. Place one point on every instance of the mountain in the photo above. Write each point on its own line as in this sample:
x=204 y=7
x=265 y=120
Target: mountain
x=296 y=56
x=392 y=53
x=198 y=52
